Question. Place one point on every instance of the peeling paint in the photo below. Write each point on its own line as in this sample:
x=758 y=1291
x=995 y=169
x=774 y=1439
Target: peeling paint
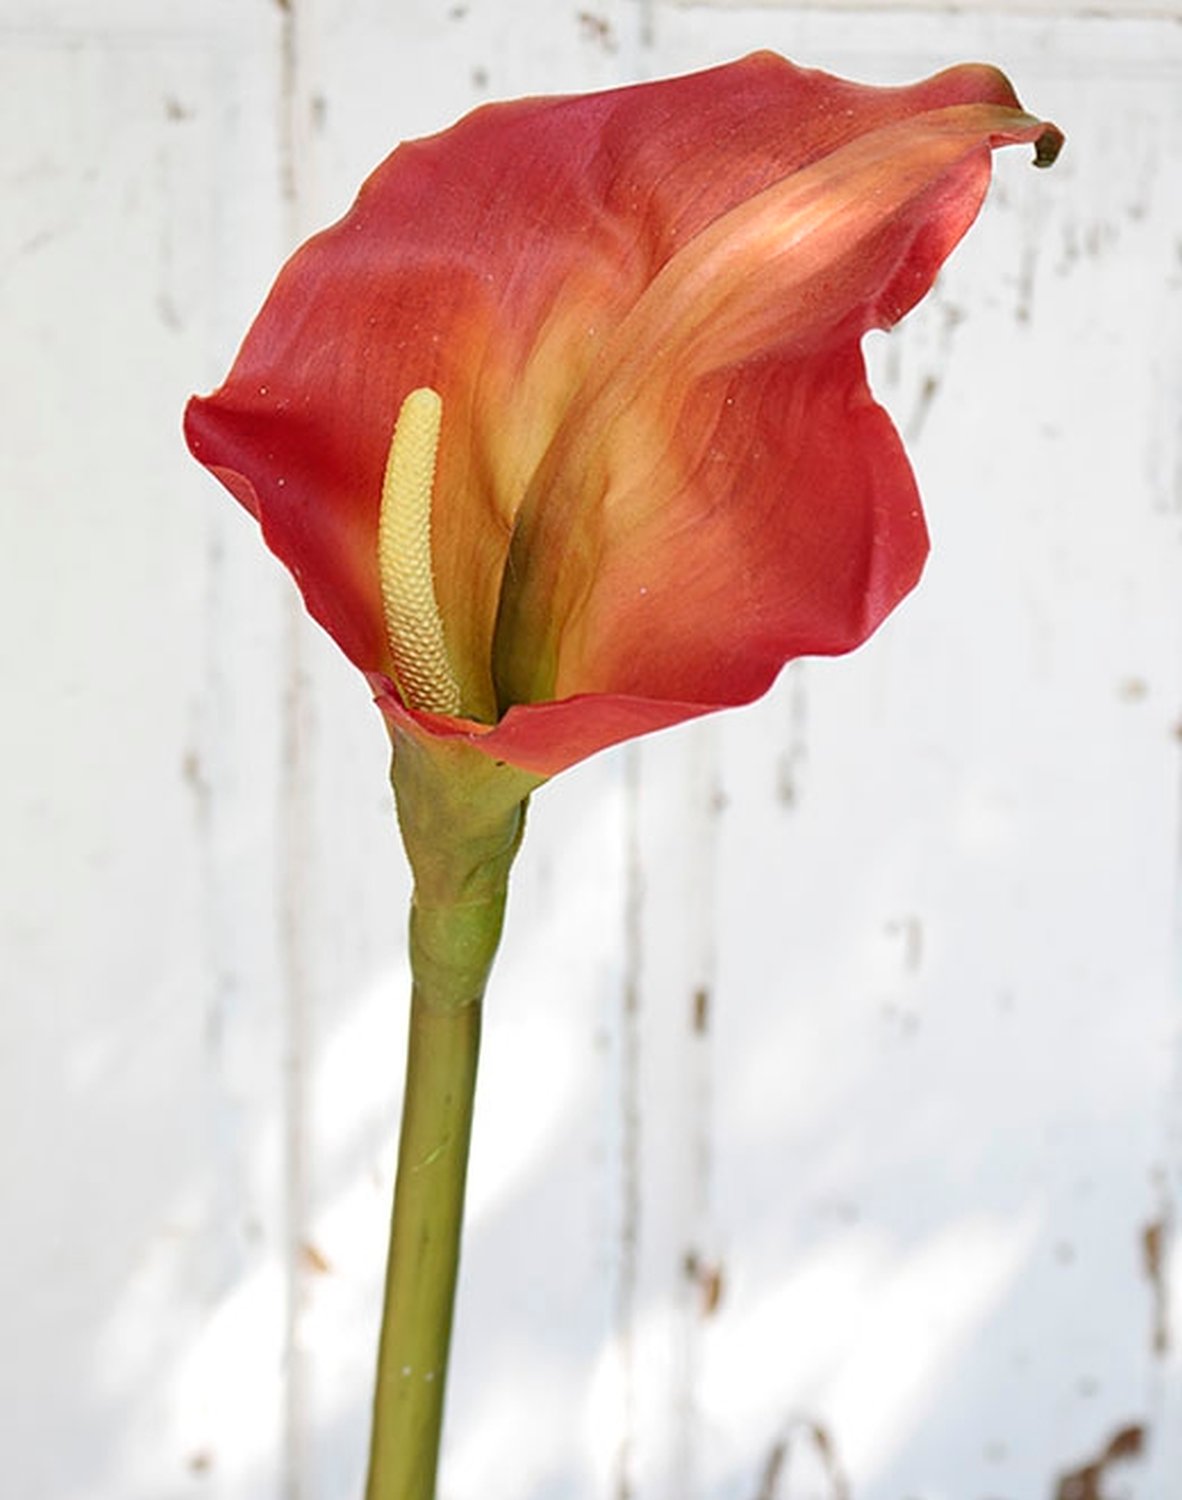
x=709 y=1278
x=1026 y=279
x=794 y=756
x=597 y=29
x=313 y=1259
x=776 y=1465
x=1085 y=1483
x=1155 y=1239
x=923 y=405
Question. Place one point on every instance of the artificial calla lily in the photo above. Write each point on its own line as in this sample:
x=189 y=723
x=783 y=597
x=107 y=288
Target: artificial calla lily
x=565 y=434
x=659 y=470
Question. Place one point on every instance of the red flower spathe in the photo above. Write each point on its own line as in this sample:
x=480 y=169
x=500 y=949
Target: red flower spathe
x=661 y=473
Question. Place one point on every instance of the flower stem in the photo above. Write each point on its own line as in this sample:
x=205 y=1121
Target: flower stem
x=462 y=818
x=424 y=1248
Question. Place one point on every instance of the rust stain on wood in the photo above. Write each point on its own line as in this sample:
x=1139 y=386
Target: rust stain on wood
x=1155 y=1239
x=1085 y=1483
x=597 y=29
x=776 y=1464
x=313 y=1259
x=709 y=1278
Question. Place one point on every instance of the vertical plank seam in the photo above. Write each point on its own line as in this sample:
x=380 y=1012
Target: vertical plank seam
x=294 y=813
x=294 y=848
x=630 y=1125
x=647 y=23
x=706 y=804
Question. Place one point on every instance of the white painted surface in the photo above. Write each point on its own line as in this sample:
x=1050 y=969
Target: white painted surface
x=932 y=890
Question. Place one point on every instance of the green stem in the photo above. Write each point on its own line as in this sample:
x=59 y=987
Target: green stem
x=424 y=1249
x=462 y=818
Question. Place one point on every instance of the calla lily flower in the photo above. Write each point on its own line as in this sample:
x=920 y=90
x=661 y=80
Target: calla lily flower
x=623 y=334
x=565 y=435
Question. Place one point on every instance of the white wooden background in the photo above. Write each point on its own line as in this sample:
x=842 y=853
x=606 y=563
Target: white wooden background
x=831 y=1092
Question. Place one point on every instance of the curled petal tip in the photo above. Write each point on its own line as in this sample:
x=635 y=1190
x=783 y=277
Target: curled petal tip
x=1047 y=146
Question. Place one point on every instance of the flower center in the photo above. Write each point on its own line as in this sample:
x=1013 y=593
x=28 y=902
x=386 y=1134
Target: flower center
x=414 y=626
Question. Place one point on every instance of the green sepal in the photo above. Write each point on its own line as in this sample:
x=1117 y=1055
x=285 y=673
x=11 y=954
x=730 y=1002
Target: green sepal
x=462 y=817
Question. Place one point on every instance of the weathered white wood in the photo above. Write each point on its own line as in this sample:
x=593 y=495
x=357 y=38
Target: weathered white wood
x=143 y=1285
x=831 y=1061
x=935 y=1150
x=1103 y=10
